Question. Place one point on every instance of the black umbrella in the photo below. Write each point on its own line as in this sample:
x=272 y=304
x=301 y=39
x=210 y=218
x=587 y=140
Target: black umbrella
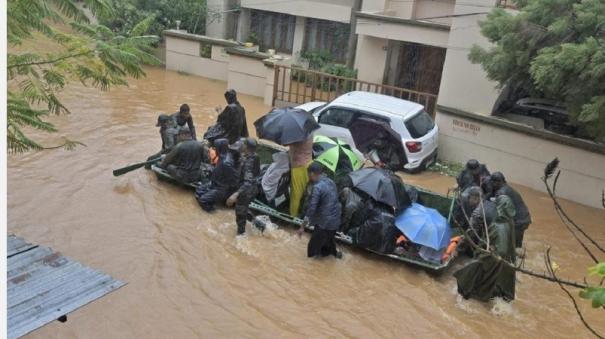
x=383 y=186
x=286 y=126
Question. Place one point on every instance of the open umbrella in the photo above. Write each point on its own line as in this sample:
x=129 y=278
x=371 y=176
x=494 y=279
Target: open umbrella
x=328 y=151
x=286 y=126
x=382 y=185
x=424 y=226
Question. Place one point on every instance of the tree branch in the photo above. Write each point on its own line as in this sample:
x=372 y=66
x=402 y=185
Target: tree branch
x=51 y=61
x=563 y=215
x=548 y=264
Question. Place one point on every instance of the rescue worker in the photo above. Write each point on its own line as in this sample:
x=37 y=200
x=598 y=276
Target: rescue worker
x=168 y=134
x=231 y=123
x=323 y=212
x=224 y=178
x=250 y=172
x=183 y=161
x=522 y=216
x=182 y=117
x=486 y=276
x=473 y=174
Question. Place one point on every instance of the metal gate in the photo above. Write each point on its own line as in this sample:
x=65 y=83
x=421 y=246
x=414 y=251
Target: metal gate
x=293 y=85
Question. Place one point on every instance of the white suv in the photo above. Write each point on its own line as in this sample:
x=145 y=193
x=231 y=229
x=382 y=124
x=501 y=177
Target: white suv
x=361 y=118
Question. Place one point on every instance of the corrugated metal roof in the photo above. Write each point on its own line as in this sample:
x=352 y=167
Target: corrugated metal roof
x=43 y=285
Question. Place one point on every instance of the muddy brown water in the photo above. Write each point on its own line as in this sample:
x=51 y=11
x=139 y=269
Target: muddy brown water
x=187 y=274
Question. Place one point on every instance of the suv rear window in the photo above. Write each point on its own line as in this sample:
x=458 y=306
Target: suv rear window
x=419 y=125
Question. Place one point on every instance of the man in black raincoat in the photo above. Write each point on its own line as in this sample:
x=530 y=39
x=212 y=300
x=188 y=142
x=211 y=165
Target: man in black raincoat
x=250 y=171
x=473 y=174
x=231 y=123
x=522 y=216
x=223 y=179
x=183 y=162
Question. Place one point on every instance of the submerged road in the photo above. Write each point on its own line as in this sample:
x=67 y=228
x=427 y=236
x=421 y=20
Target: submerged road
x=189 y=277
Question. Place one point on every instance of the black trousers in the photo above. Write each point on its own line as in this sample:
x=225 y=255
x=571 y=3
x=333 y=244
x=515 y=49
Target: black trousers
x=208 y=195
x=322 y=243
x=241 y=208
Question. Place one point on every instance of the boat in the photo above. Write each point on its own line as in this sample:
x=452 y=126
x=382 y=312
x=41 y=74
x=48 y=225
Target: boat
x=443 y=204
x=162 y=174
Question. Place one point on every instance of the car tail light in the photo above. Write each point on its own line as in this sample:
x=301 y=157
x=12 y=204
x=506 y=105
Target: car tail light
x=413 y=146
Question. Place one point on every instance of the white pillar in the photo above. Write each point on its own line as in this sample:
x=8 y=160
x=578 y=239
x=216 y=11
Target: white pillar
x=299 y=36
x=243 y=26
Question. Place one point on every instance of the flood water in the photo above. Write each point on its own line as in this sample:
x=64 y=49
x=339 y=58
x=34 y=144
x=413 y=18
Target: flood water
x=187 y=274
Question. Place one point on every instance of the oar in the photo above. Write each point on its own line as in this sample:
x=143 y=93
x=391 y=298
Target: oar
x=130 y=168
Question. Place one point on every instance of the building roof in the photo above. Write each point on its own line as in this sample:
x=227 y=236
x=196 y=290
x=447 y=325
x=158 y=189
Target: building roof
x=43 y=285
x=378 y=103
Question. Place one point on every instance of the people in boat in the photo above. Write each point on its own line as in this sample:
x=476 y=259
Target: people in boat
x=183 y=162
x=522 y=216
x=168 y=134
x=224 y=178
x=182 y=118
x=468 y=200
x=274 y=175
x=473 y=174
x=323 y=212
x=231 y=123
x=248 y=189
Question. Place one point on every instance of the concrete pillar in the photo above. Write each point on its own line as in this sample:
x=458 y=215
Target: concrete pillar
x=243 y=25
x=299 y=36
x=216 y=23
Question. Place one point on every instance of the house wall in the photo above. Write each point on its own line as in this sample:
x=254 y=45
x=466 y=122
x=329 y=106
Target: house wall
x=335 y=10
x=402 y=31
x=431 y=8
x=464 y=85
x=370 y=58
x=521 y=154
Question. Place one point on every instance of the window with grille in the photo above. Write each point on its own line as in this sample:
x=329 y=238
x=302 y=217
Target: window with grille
x=330 y=36
x=273 y=30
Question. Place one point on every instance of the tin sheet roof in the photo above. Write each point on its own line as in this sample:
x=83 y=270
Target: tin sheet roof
x=43 y=285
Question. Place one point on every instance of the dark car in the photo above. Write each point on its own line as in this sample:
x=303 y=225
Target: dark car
x=553 y=113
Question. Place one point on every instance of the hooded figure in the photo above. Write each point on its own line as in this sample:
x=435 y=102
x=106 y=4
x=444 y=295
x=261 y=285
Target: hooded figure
x=522 y=216
x=231 y=123
x=184 y=161
x=224 y=178
x=473 y=174
x=487 y=277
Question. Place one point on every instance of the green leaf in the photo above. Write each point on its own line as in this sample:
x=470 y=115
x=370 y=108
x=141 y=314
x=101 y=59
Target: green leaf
x=596 y=294
x=143 y=26
x=598 y=269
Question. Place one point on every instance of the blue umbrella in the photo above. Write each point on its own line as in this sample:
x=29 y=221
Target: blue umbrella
x=424 y=226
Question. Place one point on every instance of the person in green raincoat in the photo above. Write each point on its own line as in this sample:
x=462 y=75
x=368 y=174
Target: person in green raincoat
x=487 y=276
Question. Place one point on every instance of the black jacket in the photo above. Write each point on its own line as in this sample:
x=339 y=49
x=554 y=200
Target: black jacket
x=323 y=208
x=250 y=172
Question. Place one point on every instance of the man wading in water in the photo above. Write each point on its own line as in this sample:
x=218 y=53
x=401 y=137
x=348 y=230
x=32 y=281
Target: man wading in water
x=323 y=212
x=248 y=189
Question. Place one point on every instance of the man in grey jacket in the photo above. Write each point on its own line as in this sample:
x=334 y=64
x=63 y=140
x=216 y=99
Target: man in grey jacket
x=323 y=212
